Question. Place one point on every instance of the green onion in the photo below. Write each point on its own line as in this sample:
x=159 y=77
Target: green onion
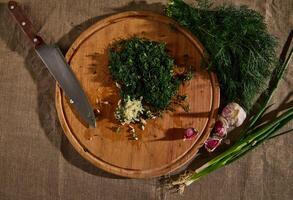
x=271 y=90
x=215 y=27
x=238 y=149
x=253 y=136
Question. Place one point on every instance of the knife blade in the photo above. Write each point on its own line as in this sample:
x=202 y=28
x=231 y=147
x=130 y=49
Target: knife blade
x=57 y=66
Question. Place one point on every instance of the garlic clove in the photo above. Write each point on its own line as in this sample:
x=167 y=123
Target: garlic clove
x=212 y=143
x=234 y=114
x=219 y=129
x=190 y=133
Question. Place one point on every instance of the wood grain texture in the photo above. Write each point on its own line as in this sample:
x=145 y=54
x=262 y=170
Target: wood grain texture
x=160 y=148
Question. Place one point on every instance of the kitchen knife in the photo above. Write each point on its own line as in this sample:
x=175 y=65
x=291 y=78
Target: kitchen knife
x=58 y=67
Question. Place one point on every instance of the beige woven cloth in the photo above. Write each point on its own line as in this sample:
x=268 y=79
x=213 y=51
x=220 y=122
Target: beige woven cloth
x=36 y=160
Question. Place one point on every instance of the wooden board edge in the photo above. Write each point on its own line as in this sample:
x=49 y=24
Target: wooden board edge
x=92 y=159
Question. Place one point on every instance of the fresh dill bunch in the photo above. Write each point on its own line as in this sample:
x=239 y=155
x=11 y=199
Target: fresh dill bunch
x=240 y=50
x=144 y=69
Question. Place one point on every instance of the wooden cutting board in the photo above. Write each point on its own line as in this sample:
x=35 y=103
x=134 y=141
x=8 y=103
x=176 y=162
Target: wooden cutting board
x=160 y=148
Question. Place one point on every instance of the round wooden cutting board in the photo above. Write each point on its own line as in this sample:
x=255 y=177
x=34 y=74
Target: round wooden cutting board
x=160 y=148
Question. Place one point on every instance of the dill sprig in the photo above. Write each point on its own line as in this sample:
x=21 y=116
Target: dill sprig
x=239 y=47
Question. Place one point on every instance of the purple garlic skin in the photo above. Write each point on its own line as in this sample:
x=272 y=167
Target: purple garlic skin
x=234 y=114
x=212 y=143
x=219 y=129
x=190 y=133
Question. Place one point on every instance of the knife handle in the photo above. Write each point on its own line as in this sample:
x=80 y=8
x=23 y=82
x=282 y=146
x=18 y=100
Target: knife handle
x=24 y=23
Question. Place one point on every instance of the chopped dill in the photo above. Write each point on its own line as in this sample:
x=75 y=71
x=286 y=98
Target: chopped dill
x=145 y=74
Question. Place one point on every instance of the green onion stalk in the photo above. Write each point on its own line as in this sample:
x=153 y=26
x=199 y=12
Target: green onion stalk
x=254 y=134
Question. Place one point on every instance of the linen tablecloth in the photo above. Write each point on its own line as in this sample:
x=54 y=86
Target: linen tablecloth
x=38 y=162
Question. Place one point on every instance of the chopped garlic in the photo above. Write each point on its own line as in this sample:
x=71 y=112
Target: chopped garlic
x=129 y=111
x=143 y=121
x=142 y=127
x=118 y=85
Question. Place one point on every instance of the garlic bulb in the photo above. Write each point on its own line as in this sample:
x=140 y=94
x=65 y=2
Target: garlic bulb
x=234 y=114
